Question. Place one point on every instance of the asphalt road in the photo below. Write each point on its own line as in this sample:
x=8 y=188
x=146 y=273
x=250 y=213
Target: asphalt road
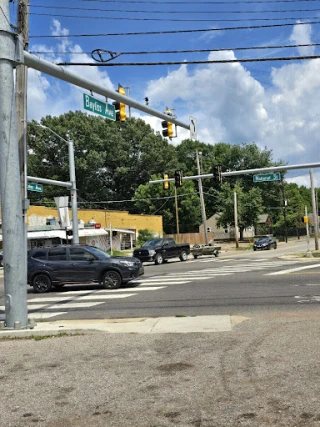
x=242 y=283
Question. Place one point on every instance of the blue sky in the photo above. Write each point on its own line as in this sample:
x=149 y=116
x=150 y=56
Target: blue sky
x=275 y=104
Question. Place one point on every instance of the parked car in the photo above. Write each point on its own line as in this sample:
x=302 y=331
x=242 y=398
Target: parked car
x=1 y=258
x=264 y=243
x=63 y=264
x=160 y=250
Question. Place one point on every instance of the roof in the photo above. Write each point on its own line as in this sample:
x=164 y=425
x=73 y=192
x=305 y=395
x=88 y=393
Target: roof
x=262 y=218
x=51 y=234
x=123 y=230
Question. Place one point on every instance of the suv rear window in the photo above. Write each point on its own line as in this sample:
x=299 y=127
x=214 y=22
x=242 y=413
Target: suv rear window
x=57 y=254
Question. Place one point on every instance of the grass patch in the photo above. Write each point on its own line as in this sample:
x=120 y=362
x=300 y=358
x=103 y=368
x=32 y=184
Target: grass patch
x=245 y=248
x=180 y=315
x=39 y=337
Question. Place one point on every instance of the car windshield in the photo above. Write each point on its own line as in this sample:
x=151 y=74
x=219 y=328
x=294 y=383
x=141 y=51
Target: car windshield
x=154 y=242
x=263 y=241
x=98 y=252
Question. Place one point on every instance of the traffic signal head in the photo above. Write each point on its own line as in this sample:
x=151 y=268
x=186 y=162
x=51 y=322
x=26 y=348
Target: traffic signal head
x=217 y=177
x=120 y=108
x=167 y=126
x=166 y=184
x=178 y=178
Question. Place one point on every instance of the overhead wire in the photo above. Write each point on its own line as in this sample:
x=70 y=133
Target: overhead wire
x=247 y=27
x=123 y=18
x=183 y=51
x=176 y=11
x=199 y=2
x=224 y=61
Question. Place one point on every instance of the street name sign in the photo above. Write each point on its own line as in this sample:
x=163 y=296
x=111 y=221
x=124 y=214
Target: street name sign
x=193 y=128
x=266 y=177
x=32 y=186
x=99 y=107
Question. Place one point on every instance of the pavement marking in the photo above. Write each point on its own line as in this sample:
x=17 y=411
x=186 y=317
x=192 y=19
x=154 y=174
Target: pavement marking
x=74 y=305
x=292 y=270
x=46 y=315
x=91 y=297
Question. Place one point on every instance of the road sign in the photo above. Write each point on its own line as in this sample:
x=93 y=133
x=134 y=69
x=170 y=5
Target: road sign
x=266 y=177
x=99 y=107
x=32 y=186
x=193 y=128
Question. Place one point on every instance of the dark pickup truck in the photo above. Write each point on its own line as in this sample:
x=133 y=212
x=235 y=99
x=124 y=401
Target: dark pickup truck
x=160 y=250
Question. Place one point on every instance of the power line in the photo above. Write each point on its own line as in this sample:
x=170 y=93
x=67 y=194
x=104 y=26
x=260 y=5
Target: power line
x=182 y=51
x=123 y=18
x=198 y=2
x=176 y=31
x=224 y=61
x=175 y=11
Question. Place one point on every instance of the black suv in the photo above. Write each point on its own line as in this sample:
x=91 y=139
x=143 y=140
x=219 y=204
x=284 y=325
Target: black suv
x=59 y=265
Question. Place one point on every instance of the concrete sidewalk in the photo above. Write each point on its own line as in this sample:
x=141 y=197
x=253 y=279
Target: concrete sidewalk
x=158 y=325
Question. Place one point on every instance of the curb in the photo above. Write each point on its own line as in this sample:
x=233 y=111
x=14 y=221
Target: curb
x=157 y=325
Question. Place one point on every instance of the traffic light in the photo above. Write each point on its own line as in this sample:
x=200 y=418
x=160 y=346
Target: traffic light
x=217 y=177
x=178 y=178
x=120 y=108
x=167 y=126
x=166 y=184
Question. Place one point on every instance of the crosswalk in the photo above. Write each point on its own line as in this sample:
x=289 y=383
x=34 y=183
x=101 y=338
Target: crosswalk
x=49 y=305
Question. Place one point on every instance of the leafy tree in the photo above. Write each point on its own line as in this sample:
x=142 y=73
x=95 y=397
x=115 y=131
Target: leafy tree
x=143 y=236
x=153 y=199
x=249 y=207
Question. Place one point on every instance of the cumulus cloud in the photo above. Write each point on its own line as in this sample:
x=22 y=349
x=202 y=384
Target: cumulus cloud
x=301 y=34
x=230 y=104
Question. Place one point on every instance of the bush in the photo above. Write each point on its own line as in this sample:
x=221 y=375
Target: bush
x=143 y=236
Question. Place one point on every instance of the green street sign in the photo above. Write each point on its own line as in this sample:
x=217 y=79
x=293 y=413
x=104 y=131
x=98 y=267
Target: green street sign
x=99 y=107
x=32 y=186
x=266 y=177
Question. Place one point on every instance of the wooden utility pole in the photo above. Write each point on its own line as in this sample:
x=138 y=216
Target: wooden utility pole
x=203 y=209
x=315 y=212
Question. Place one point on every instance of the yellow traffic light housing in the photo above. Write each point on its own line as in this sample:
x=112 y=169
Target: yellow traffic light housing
x=167 y=126
x=120 y=108
x=166 y=184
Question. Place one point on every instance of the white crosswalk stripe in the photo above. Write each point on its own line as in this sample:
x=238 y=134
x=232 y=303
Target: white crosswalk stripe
x=49 y=305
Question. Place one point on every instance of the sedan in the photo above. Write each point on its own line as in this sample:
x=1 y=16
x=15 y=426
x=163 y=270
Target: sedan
x=65 y=264
x=264 y=243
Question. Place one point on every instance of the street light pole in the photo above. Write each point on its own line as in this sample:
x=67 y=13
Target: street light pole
x=73 y=189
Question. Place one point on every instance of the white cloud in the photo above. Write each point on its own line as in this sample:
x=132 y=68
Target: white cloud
x=301 y=34
x=229 y=103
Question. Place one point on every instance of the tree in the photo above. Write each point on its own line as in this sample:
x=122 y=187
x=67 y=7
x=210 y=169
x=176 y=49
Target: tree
x=111 y=160
x=153 y=199
x=249 y=207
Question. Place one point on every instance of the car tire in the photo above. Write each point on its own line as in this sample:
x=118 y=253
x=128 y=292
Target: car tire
x=268 y=247
x=41 y=283
x=1 y=263
x=111 y=280
x=254 y=249
x=195 y=256
x=158 y=259
x=183 y=256
x=275 y=246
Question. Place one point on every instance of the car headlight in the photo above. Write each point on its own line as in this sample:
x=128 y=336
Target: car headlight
x=152 y=252
x=127 y=263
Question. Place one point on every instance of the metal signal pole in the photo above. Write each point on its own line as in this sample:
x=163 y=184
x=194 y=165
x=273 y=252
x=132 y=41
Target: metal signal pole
x=14 y=248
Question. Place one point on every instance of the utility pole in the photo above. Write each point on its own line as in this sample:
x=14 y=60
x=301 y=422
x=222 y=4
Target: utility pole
x=14 y=248
x=203 y=210
x=236 y=218
x=177 y=213
x=315 y=212
x=284 y=201
x=309 y=253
